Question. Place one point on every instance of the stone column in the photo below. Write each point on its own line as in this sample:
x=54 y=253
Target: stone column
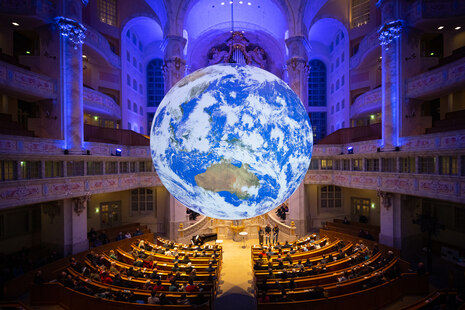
x=64 y=225
x=390 y=219
x=174 y=67
x=297 y=68
x=390 y=36
x=177 y=215
x=72 y=35
x=75 y=225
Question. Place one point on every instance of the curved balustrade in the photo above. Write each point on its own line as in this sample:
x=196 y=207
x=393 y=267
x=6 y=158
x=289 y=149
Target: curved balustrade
x=186 y=233
x=368 y=43
x=99 y=103
x=44 y=9
x=438 y=81
x=100 y=44
x=30 y=84
x=368 y=103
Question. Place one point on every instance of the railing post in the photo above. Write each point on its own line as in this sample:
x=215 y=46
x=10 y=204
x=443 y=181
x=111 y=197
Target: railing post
x=292 y=228
x=181 y=230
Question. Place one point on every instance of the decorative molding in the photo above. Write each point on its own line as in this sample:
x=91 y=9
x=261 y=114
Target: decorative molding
x=390 y=31
x=73 y=30
x=24 y=81
x=80 y=203
x=386 y=198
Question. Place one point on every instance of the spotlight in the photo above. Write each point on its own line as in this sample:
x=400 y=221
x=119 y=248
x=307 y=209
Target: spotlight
x=350 y=150
x=440 y=27
x=117 y=152
x=15 y=24
x=249 y=3
x=458 y=28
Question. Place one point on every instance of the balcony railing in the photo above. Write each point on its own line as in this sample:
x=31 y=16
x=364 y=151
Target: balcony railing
x=44 y=9
x=101 y=104
x=438 y=81
x=367 y=103
x=368 y=43
x=32 y=85
x=428 y=9
x=100 y=44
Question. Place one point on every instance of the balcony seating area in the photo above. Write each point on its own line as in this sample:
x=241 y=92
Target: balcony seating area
x=9 y=127
x=354 y=134
x=452 y=121
x=114 y=136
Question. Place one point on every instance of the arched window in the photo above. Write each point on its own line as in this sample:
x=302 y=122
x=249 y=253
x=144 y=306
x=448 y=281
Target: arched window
x=317 y=84
x=155 y=82
x=317 y=97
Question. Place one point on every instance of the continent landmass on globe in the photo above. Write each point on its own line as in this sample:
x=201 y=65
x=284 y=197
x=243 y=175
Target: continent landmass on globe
x=225 y=176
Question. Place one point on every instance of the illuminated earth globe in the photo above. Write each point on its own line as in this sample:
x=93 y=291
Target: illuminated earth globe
x=231 y=141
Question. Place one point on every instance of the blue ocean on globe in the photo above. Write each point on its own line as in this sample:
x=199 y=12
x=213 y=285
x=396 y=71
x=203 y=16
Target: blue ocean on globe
x=231 y=141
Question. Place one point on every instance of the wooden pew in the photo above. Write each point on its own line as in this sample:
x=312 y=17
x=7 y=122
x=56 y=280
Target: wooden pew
x=335 y=289
x=436 y=298
x=57 y=294
x=371 y=298
x=314 y=260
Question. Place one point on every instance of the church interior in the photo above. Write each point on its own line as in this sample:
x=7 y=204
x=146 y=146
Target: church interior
x=378 y=221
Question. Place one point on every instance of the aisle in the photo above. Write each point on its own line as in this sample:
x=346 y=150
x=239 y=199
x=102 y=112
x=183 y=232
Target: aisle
x=235 y=289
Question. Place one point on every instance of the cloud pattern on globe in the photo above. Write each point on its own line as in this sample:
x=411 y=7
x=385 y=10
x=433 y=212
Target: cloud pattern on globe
x=231 y=141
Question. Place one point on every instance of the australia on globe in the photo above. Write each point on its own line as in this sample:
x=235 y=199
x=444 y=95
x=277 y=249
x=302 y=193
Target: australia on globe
x=231 y=141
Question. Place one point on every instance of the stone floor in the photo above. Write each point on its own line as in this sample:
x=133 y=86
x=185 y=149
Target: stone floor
x=236 y=278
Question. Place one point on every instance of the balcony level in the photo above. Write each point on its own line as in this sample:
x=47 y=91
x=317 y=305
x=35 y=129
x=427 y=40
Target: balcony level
x=16 y=80
x=447 y=77
x=98 y=103
x=422 y=11
x=43 y=9
x=366 y=104
x=97 y=43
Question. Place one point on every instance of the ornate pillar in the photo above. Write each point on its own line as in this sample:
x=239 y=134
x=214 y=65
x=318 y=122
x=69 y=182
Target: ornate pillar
x=297 y=68
x=72 y=35
x=390 y=219
x=174 y=67
x=390 y=36
x=75 y=225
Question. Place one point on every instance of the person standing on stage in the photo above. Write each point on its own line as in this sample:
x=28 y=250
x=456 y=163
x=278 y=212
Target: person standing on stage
x=275 y=234
x=260 y=235
x=268 y=234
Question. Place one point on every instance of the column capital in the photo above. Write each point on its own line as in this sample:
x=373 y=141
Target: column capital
x=391 y=31
x=298 y=46
x=71 y=29
x=173 y=45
